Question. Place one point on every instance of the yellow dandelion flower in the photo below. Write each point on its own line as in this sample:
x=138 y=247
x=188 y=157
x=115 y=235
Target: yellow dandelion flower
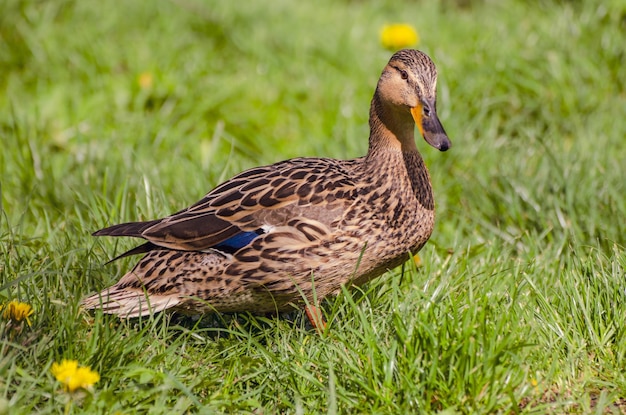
x=74 y=377
x=145 y=80
x=417 y=260
x=399 y=35
x=16 y=311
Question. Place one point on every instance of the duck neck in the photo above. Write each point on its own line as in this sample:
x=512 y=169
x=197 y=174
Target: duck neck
x=390 y=129
x=392 y=147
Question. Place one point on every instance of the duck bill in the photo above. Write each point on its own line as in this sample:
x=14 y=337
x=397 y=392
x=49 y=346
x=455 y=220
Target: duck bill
x=431 y=129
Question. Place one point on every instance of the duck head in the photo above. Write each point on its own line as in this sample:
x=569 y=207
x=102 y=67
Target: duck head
x=406 y=94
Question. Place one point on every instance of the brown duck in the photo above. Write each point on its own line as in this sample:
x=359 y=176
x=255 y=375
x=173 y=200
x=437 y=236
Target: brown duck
x=291 y=233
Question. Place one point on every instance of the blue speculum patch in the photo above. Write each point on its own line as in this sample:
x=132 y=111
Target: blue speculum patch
x=236 y=242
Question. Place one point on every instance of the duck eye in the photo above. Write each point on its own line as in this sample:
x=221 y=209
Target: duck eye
x=404 y=74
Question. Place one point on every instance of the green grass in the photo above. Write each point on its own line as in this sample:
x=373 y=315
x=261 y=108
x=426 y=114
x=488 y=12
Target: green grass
x=520 y=305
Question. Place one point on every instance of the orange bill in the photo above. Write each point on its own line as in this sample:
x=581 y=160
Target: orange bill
x=430 y=127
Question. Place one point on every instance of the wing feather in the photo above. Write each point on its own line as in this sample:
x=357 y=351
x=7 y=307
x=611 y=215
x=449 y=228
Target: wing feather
x=268 y=195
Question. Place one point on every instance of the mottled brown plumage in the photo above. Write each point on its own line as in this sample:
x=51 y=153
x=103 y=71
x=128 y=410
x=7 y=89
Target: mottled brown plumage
x=279 y=236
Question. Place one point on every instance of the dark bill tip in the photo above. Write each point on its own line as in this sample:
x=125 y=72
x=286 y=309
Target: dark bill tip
x=438 y=140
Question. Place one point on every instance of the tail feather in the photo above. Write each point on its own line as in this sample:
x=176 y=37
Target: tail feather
x=129 y=303
x=127 y=229
x=141 y=249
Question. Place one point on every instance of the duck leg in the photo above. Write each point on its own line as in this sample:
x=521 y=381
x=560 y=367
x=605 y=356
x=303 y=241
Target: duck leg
x=314 y=314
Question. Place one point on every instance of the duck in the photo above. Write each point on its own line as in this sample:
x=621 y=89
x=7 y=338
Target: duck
x=287 y=235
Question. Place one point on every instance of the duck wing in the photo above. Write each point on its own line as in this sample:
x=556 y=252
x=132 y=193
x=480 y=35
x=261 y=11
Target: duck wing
x=250 y=204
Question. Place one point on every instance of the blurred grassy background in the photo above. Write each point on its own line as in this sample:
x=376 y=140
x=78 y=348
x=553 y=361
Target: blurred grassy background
x=132 y=110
